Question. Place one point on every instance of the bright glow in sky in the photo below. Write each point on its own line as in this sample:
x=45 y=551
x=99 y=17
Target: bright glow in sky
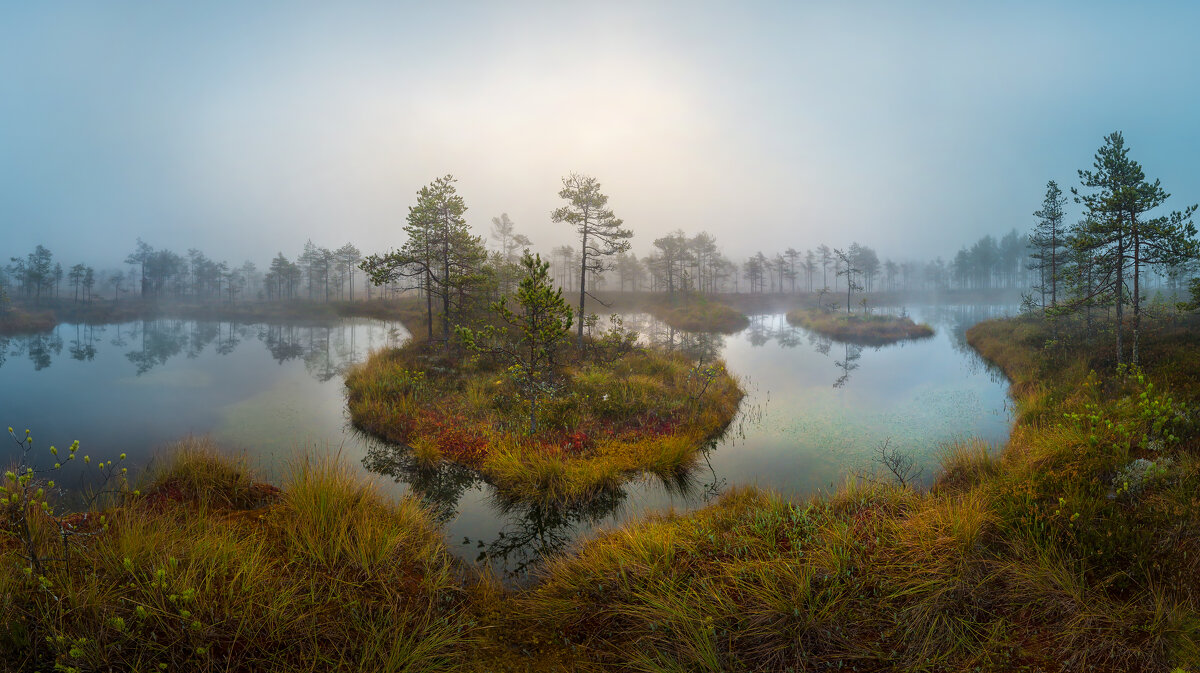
x=243 y=130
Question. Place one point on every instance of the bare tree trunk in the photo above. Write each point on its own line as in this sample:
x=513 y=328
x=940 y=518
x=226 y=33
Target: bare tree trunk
x=1137 y=296
x=582 y=290
x=1120 y=298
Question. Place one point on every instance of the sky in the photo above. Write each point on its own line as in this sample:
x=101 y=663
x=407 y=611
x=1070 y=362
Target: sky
x=243 y=129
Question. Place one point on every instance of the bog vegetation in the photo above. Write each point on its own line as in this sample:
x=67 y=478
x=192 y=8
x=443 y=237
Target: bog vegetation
x=1076 y=548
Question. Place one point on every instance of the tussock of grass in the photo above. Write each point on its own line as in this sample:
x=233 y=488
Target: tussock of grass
x=871 y=330
x=967 y=463
x=193 y=470
x=18 y=321
x=330 y=577
x=650 y=411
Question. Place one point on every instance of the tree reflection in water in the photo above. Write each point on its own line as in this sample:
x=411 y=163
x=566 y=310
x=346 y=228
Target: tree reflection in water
x=41 y=348
x=530 y=532
x=847 y=364
x=83 y=346
x=327 y=351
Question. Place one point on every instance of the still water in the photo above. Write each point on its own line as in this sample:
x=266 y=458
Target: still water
x=814 y=411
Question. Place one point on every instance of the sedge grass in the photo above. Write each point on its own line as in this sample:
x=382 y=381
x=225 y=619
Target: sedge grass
x=328 y=577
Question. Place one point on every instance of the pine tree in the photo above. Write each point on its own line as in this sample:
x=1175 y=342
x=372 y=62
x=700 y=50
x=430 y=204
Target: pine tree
x=1121 y=234
x=600 y=232
x=1049 y=243
x=535 y=333
x=441 y=253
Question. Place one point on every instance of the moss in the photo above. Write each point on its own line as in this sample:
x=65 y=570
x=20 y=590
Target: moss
x=871 y=330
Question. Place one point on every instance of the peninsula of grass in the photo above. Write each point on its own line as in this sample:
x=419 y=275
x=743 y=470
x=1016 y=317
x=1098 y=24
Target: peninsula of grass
x=1076 y=549
x=647 y=411
x=856 y=328
x=29 y=317
x=20 y=321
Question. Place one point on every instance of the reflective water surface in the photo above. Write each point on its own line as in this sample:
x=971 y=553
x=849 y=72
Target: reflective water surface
x=814 y=411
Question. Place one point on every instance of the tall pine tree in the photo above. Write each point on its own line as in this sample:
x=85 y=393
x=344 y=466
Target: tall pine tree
x=600 y=233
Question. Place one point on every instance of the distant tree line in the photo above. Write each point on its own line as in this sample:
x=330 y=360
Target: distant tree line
x=318 y=274
x=1107 y=259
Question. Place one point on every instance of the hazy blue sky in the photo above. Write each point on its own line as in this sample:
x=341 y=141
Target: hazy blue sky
x=244 y=128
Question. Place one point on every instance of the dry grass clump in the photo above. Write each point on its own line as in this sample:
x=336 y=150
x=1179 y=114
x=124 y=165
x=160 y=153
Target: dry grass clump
x=21 y=321
x=870 y=330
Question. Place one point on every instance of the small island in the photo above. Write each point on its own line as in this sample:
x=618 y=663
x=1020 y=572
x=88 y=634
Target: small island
x=865 y=329
x=542 y=414
x=701 y=315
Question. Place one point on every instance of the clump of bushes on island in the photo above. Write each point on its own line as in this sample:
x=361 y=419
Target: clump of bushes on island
x=542 y=418
x=859 y=328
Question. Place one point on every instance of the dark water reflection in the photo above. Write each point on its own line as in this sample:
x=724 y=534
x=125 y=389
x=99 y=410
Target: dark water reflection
x=522 y=534
x=815 y=409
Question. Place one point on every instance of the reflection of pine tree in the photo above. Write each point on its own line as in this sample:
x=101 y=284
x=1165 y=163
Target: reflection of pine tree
x=438 y=486
x=82 y=347
x=41 y=349
x=535 y=531
x=847 y=364
x=160 y=341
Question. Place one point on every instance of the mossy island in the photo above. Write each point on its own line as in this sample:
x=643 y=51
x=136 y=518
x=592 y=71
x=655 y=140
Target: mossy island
x=860 y=328
x=699 y=314
x=541 y=415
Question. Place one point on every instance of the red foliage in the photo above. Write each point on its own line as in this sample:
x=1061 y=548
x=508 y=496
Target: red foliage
x=576 y=443
x=454 y=439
